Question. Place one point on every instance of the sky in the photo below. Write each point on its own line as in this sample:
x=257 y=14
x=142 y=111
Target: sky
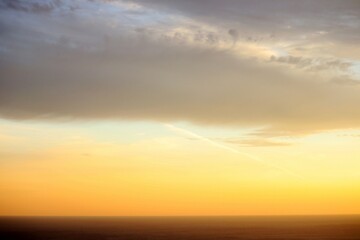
x=202 y=107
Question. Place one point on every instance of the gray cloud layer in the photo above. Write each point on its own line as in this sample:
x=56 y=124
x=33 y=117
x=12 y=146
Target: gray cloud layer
x=322 y=26
x=54 y=68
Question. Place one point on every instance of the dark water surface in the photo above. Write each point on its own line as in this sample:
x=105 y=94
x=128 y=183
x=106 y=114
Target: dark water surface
x=111 y=228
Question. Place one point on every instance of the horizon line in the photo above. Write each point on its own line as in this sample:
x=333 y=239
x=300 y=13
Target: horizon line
x=160 y=216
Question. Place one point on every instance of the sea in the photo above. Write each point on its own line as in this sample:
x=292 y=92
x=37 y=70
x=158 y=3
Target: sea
x=219 y=227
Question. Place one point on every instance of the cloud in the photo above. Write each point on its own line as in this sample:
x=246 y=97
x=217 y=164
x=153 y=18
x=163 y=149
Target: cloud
x=345 y=81
x=154 y=81
x=234 y=34
x=94 y=66
x=249 y=156
x=314 y=64
x=257 y=142
x=323 y=26
x=273 y=15
x=31 y=5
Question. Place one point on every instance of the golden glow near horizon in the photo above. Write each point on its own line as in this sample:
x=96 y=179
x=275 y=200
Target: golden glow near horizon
x=148 y=169
x=179 y=109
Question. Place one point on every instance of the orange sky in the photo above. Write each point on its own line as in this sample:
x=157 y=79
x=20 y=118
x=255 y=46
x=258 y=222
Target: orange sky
x=67 y=169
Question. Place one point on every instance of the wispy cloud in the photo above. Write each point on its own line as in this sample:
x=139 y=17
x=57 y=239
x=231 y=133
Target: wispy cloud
x=256 y=142
x=184 y=132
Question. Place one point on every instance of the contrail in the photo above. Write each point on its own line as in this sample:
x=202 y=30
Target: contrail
x=228 y=148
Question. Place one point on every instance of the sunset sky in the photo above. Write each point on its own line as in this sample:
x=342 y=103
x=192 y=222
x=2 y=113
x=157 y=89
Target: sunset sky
x=188 y=107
